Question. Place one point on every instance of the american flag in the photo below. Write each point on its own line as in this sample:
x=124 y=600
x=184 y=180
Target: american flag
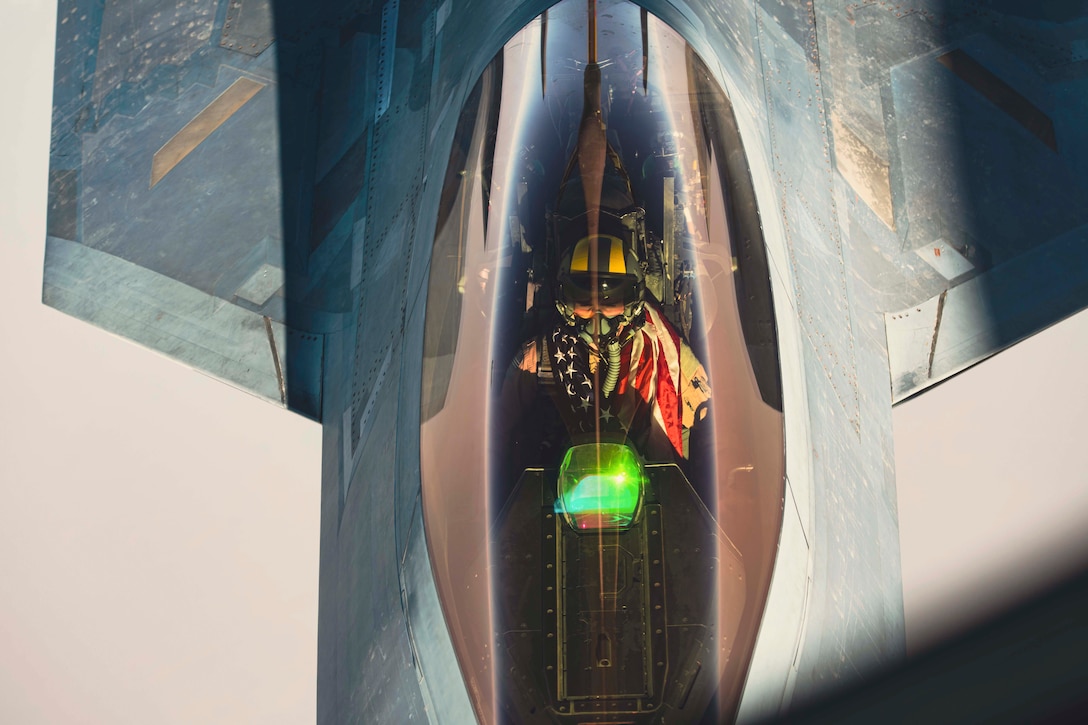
x=654 y=374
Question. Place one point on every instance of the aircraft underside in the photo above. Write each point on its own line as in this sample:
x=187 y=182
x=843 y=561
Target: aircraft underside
x=519 y=261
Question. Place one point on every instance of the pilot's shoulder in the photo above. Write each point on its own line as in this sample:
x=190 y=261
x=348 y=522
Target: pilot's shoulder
x=526 y=359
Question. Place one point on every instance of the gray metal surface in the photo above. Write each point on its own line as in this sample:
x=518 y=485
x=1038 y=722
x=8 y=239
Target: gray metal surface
x=873 y=138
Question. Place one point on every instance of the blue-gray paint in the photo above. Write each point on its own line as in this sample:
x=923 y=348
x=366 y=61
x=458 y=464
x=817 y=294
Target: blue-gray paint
x=164 y=266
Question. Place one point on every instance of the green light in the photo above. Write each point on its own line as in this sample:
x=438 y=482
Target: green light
x=600 y=486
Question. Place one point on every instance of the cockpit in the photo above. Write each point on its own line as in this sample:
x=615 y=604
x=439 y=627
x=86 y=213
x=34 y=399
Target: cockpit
x=601 y=422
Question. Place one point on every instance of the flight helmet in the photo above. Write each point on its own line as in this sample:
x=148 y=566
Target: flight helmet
x=600 y=288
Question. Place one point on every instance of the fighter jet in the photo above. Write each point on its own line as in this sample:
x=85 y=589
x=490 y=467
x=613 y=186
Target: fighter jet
x=603 y=309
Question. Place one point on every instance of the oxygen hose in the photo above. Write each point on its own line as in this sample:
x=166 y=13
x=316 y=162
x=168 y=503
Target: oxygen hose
x=613 y=375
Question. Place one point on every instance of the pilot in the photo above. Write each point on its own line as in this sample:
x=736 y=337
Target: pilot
x=613 y=366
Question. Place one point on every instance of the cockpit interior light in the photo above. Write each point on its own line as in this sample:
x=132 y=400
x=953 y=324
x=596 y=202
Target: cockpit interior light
x=600 y=486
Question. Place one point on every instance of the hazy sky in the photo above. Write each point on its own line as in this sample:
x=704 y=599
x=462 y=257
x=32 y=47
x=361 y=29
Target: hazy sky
x=992 y=476
x=159 y=529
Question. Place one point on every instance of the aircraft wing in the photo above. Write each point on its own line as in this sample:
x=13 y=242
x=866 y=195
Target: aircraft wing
x=252 y=188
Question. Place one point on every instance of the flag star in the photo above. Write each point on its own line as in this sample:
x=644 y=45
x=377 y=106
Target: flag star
x=606 y=416
x=585 y=404
x=560 y=356
x=586 y=383
x=570 y=391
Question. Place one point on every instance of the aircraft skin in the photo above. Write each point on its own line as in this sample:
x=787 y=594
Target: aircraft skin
x=254 y=189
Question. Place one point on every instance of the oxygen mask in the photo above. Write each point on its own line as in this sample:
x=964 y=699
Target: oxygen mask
x=599 y=326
